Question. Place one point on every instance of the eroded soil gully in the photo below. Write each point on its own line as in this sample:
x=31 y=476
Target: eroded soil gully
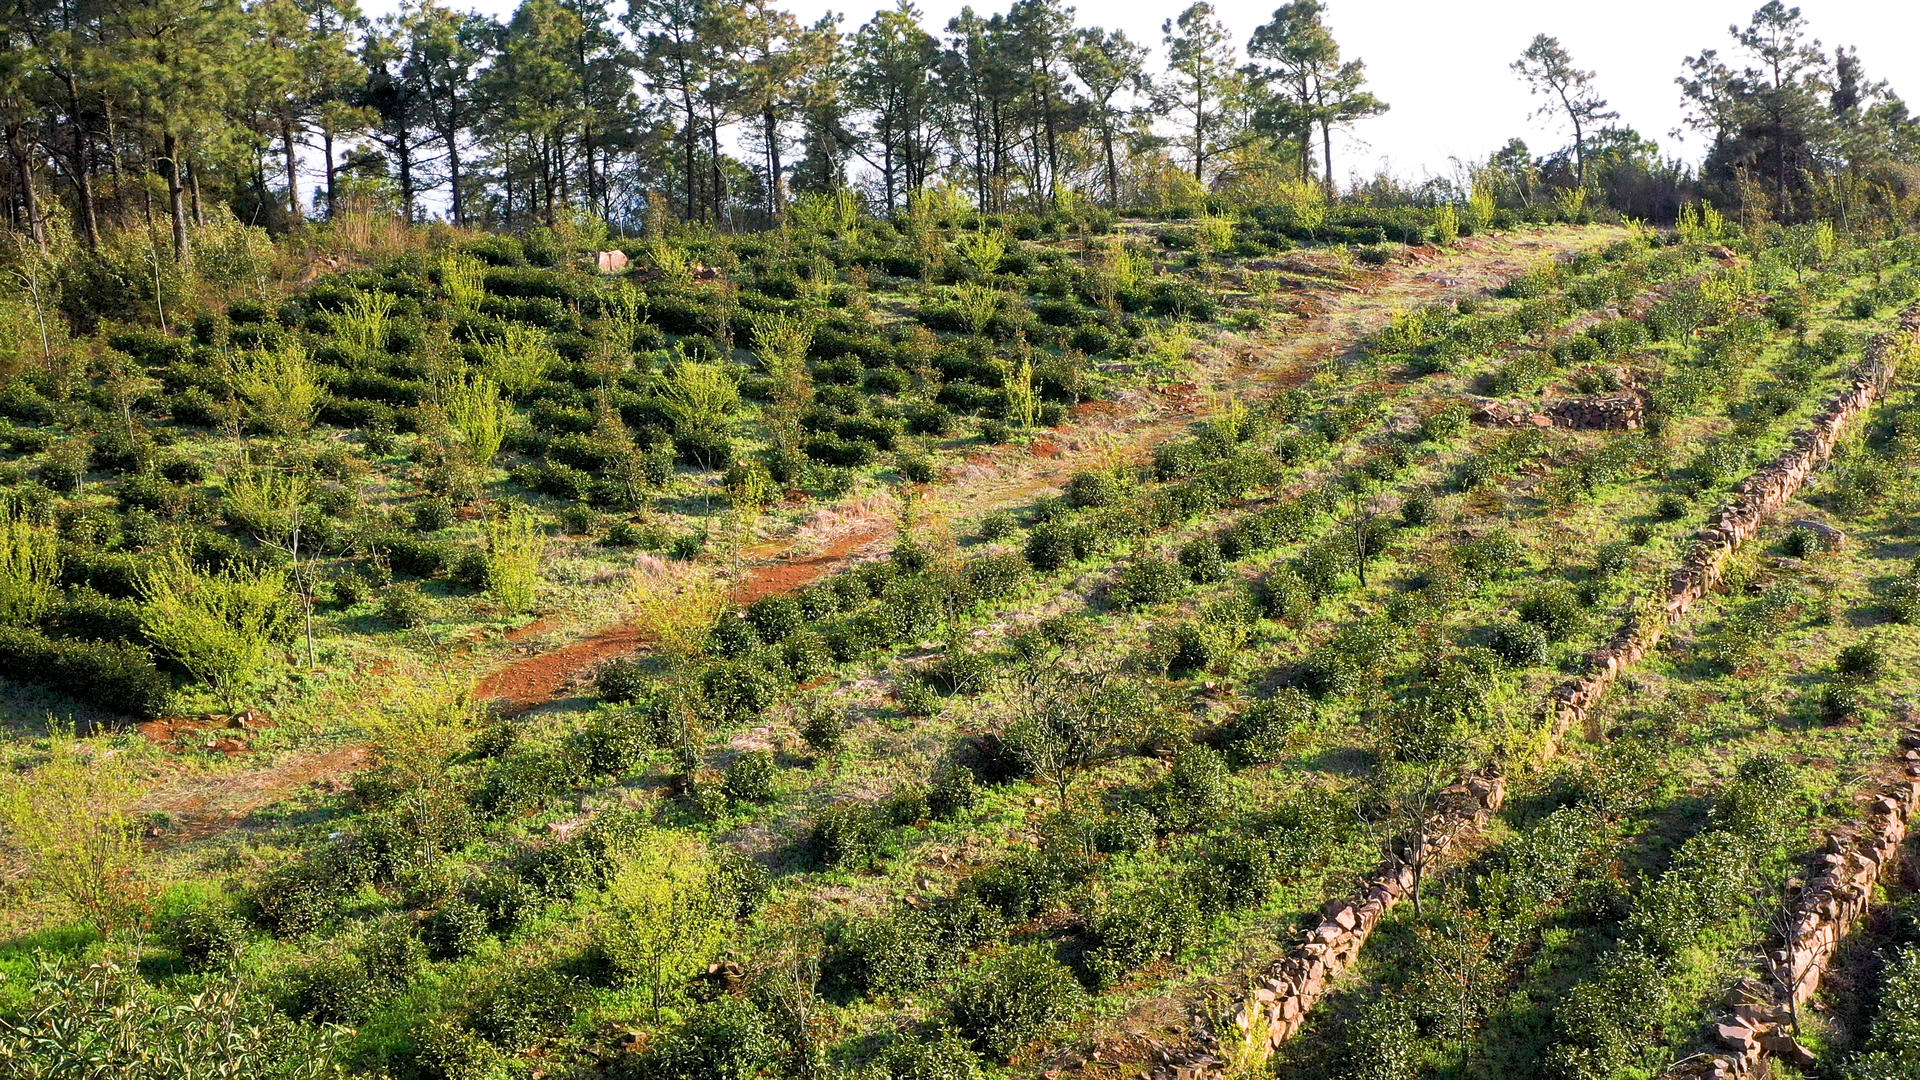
x=1281 y=998
x=1330 y=323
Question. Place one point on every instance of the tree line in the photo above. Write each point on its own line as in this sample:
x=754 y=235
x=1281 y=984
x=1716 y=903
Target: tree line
x=145 y=113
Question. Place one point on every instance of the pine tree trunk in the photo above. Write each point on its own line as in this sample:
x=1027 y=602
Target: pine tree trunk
x=29 y=200
x=176 y=196
x=293 y=167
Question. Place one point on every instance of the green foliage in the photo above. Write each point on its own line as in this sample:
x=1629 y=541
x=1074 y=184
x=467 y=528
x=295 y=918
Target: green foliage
x=224 y=627
x=29 y=568
x=102 y=1019
x=846 y=835
x=1892 y=1047
x=749 y=777
x=516 y=550
x=1011 y=999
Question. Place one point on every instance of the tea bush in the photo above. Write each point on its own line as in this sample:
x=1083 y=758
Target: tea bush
x=1011 y=999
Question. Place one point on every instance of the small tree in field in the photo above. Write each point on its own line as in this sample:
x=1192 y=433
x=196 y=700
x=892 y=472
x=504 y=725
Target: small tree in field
x=276 y=507
x=29 y=568
x=663 y=916
x=280 y=389
x=71 y=820
x=223 y=628
x=479 y=420
x=1070 y=724
x=515 y=547
x=417 y=735
x=1550 y=72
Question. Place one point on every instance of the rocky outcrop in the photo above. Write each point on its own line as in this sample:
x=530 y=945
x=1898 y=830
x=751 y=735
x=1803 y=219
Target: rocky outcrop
x=1625 y=411
x=1762 y=1011
x=1282 y=997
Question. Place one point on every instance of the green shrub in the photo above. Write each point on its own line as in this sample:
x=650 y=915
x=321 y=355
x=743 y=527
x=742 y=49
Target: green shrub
x=403 y=606
x=621 y=680
x=457 y=928
x=725 y=1039
x=1892 y=1046
x=1520 y=644
x=1554 y=607
x=115 y=676
x=954 y=790
x=1138 y=925
x=1259 y=734
x=1013 y=998
x=824 y=729
x=207 y=937
x=1148 y=579
x=749 y=777
x=998 y=526
x=1863 y=660
x=943 y=1057
x=846 y=836
x=1196 y=789
x=432 y=515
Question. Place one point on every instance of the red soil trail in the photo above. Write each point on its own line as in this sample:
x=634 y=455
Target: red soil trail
x=547 y=676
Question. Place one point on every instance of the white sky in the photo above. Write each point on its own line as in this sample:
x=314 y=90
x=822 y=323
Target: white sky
x=1443 y=64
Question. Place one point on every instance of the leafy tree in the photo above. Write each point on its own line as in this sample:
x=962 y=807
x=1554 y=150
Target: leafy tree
x=891 y=83
x=1202 y=86
x=1315 y=87
x=1769 y=117
x=779 y=80
x=1109 y=64
x=222 y=627
x=1070 y=724
x=445 y=51
x=516 y=547
x=663 y=918
x=1550 y=72
x=280 y=388
x=307 y=44
x=71 y=819
x=29 y=568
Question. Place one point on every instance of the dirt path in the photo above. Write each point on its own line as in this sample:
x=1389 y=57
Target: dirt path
x=1329 y=318
x=206 y=805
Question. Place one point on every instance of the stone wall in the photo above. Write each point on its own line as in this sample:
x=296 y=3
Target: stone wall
x=1758 y=497
x=1625 y=411
x=1282 y=997
x=1761 y=1011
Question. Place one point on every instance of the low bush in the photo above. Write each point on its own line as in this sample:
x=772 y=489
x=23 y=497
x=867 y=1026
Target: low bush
x=846 y=836
x=1520 y=644
x=749 y=777
x=1138 y=925
x=115 y=676
x=1013 y=998
x=1259 y=734
x=1148 y=579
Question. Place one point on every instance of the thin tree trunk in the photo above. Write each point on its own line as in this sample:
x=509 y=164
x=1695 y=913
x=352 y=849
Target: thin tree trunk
x=771 y=125
x=1113 y=167
x=176 y=196
x=29 y=200
x=326 y=151
x=293 y=167
x=82 y=172
x=1326 y=154
x=713 y=165
x=452 y=139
